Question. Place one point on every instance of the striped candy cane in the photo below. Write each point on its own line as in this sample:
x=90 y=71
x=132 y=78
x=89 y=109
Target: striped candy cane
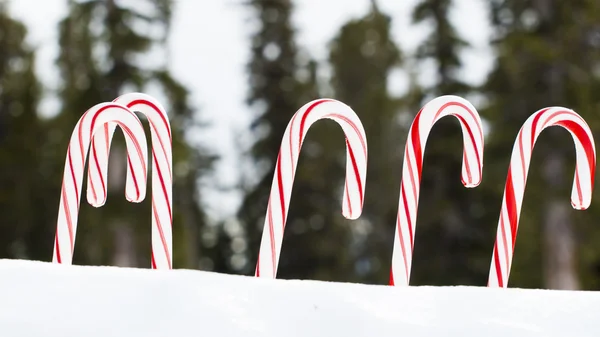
x=162 y=177
x=92 y=122
x=411 y=172
x=583 y=184
x=285 y=170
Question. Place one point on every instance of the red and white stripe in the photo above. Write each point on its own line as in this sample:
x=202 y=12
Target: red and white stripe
x=93 y=122
x=162 y=176
x=583 y=184
x=472 y=165
x=285 y=170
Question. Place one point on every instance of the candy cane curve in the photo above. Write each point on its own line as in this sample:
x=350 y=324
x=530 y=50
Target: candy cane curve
x=162 y=176
x=285 y=170
x=92 y=122
x=583 y=182
x=472 y=166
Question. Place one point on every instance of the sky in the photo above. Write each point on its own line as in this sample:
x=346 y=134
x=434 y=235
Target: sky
x=209 y=51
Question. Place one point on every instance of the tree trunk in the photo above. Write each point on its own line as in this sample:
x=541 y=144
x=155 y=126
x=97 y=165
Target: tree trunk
x=559 y=240
x=191 y=219
x=124 y=254
x=558 y=253
x=124 y=236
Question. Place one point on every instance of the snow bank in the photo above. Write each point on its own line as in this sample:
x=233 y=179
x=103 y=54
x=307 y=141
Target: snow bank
x=42 y=299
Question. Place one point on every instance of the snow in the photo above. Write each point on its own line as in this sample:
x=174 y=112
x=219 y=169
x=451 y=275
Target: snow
x=44 y=299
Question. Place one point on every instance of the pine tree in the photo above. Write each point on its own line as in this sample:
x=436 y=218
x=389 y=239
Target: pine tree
x=547 y=54
x=362 y=56
x=452 y=229
x=102 y=56
x=282 y=79
x=443 y=46
x=23 y=181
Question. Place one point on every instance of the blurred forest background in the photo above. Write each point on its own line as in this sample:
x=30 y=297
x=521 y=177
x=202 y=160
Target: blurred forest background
x=546 y=53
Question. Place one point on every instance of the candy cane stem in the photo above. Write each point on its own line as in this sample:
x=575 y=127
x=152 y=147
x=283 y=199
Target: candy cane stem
x=91 y=123
x=285 y=170
x=583 y=181
x=472 y=166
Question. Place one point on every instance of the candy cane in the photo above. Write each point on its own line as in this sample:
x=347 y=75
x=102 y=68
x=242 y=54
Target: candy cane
x=92 y=122
x=472 y=166
x=285 y=170
x=581 y=194
x=162 y=177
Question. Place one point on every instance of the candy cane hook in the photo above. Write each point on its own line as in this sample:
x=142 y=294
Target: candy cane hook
x=92 y=122
x=285 y=170
x=472 y=166
x=583 y=183
x=162 y=176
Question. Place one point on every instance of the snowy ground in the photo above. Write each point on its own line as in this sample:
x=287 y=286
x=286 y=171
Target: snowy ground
x=42 y=299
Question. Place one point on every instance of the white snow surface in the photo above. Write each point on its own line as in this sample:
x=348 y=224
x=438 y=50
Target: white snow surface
x=44 y=299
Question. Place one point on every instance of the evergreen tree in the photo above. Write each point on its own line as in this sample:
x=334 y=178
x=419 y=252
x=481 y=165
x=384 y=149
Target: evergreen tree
x=282 y=79
x=443 y=46
x=101 y=56
x=23 y=179
x=547 y=53
x=362 y=56
x=452 y=229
